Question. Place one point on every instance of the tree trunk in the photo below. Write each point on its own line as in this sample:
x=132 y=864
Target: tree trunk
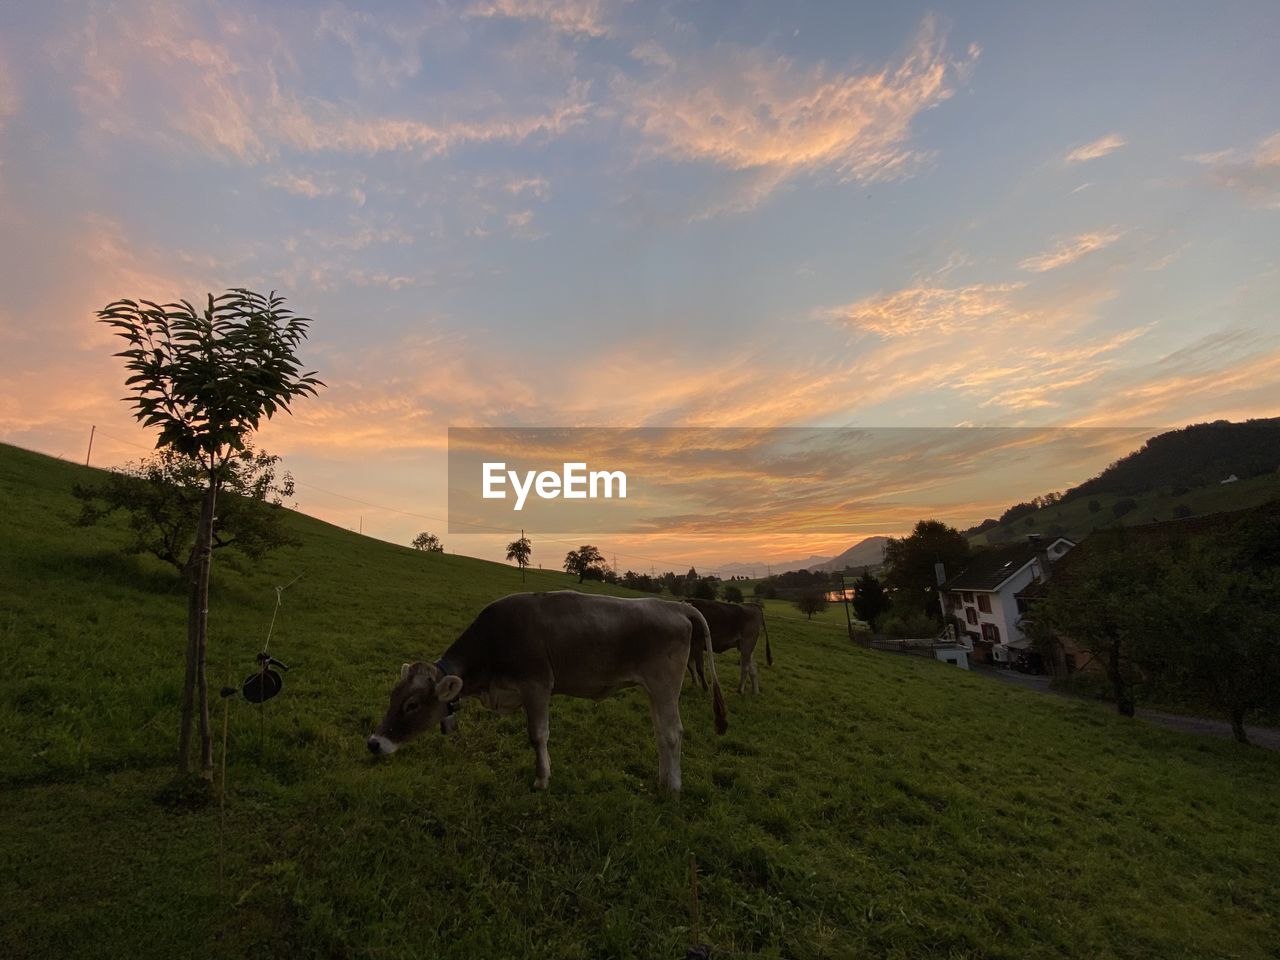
x=1124 y=699
x=204 y=548
x=1237 y=726
x=189 y=683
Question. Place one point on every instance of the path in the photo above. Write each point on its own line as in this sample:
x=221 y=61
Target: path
x=1268 y=737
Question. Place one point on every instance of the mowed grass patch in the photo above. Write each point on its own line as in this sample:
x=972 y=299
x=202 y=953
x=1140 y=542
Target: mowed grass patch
x=864 y=805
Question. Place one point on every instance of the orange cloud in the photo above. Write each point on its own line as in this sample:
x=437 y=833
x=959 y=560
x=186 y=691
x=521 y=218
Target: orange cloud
x=1069 y=250
x=150 y=72
x=1253 y=172
x=740 y=110
x=916 y=310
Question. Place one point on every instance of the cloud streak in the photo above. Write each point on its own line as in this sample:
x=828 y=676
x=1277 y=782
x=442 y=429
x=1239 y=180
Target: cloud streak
x=1096 y=148
x=1252 y=172
x=1070 y=249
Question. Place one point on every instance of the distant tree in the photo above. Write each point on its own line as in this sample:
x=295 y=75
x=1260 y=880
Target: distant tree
x=733 y=594
x=1123 y=506
x=870 y=601
x=520 y=551
x=207 y=379
x=811 y=602
x=428 y=542
x=162 y=495
x=705 y=589
x=583 y=560
x=909 y=562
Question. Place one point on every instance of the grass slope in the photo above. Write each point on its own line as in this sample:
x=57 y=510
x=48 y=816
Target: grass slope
x=865 y=805
x=1077 y=520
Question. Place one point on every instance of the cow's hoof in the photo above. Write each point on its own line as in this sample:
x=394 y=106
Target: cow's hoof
x=540 y=784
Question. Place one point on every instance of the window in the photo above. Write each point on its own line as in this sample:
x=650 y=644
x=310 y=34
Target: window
x=971 y=615
x=984 y=603
x=968 y=597
x=990 y=633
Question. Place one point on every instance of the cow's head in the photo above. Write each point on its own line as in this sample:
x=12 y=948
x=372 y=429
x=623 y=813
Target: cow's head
x=419 y=701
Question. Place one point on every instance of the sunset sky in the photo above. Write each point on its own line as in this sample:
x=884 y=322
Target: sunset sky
x=531 y=213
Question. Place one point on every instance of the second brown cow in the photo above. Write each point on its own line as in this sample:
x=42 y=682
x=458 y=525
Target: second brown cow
x=733 y=626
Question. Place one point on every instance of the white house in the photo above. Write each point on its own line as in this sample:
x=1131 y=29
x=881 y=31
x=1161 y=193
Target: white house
x=981 y=600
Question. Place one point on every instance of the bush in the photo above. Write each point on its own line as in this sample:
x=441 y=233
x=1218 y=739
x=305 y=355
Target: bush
x=909 y=626
x=1121 y=507
x=1094 y=506
x=1183 y=511
x=732 y=593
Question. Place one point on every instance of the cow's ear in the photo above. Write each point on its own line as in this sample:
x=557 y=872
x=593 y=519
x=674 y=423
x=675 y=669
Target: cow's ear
x=448 y=689
x=405 y=669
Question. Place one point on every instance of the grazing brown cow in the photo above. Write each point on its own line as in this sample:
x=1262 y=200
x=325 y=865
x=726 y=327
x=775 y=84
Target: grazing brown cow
x=733 y=625
x=523 y=648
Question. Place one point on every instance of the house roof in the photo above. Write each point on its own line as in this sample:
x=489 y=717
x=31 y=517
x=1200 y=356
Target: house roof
x=989 y=569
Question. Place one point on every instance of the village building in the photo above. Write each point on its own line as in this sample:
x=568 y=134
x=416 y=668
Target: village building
x=981 y=601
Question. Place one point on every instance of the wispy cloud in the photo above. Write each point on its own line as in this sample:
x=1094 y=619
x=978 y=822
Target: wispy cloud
x=922 y=309
x=1095 y=149
x=577 y=17
x=1253 y=172
x=1070 y=249
x=152 y=73
x=743 y=110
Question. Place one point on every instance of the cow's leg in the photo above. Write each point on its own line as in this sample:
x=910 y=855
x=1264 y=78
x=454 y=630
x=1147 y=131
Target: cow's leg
x=665 y=707
x=537 y=711
x=747 y=664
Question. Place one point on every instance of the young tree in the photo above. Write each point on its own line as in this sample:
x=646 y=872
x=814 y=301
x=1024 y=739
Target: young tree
x=811 y=602
x=1108 y=603
x=870 y=601
x=428 y=542
x=206 y=379
x=909 y=562
x=583 y=560
x=733 y=593
x=520 y=551
x=162 y=495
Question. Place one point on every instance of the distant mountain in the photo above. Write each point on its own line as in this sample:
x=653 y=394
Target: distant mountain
x=761 y=569
x=865 y=553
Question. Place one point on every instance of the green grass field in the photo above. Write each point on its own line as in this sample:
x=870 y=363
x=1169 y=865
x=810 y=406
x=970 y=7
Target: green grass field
x=865 y=805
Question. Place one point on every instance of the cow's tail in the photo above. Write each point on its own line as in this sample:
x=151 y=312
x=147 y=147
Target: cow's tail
x=718 y=706
x=768 y=650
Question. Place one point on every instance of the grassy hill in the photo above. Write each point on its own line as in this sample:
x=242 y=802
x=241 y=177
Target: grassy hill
x=864 y=805
x=1074 y=518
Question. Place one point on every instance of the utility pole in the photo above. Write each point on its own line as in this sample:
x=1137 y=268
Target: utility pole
x=92 y=429
x=844 y=598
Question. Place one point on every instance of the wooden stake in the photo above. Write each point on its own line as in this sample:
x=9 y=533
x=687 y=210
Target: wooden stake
x=693 y=899
x=92 y=430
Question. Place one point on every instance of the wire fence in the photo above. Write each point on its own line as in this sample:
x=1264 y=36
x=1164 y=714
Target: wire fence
x=94 y=435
